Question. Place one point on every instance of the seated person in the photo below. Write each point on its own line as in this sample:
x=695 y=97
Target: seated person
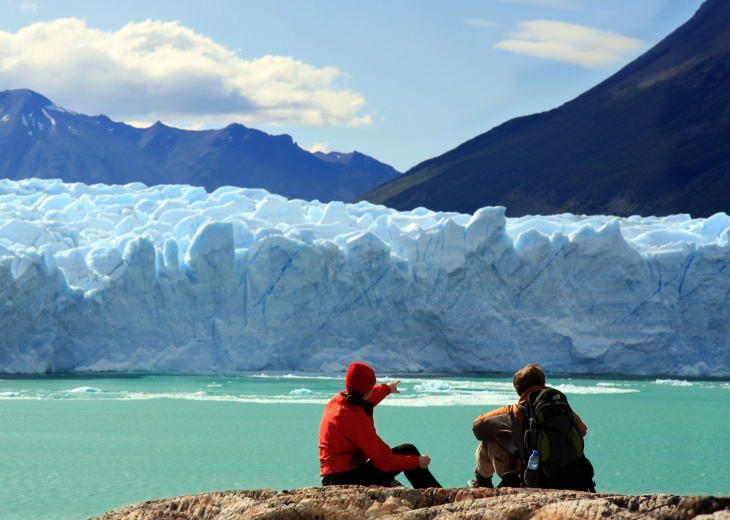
x=500 y=431
x=351 y=452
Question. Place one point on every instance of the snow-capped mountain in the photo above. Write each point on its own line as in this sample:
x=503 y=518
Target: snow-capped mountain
x=41 y=140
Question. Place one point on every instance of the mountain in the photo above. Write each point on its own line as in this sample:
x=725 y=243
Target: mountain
x=654 y=139
x=360 y=162
x=40 y=139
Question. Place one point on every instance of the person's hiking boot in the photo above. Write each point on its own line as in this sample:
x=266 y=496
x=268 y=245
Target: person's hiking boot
x=480 y=482
x=395 y=483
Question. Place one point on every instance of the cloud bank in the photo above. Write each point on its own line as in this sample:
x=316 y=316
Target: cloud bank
x=569 y=43
x=156 y=70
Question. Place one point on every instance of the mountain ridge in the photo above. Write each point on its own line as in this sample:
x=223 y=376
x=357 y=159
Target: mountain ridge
x=648 y=140
x=41 y=139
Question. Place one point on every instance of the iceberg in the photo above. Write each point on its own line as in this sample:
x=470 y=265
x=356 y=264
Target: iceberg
x=171 y=279
x=85 y=390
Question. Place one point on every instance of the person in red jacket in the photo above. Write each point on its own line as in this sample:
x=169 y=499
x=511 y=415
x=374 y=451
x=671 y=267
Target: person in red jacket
x=350 y=450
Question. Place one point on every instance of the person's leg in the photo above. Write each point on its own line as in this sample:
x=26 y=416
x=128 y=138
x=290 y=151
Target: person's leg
x=498 y=456
x=491 y=458
x=419 y=478
x=364 y=475
x=484 y=470
x=368 y=475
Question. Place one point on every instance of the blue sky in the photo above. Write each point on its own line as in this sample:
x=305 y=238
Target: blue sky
x=400 y=80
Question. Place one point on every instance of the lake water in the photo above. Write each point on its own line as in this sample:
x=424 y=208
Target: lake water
x=75 y=447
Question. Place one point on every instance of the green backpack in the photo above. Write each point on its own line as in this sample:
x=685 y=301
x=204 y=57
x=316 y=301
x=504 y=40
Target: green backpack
x=549 y=426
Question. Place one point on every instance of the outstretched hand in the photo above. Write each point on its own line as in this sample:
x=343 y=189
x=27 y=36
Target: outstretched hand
x=394 y=387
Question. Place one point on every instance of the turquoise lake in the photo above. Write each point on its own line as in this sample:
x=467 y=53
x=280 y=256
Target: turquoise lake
x=75 y=447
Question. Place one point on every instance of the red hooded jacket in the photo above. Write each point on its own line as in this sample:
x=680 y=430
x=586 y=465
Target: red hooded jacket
x=347 y=438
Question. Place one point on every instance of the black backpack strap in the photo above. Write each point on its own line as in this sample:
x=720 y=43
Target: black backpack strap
x=522 y=454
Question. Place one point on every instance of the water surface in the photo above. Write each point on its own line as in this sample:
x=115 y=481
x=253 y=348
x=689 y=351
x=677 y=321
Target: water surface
x=75 y=447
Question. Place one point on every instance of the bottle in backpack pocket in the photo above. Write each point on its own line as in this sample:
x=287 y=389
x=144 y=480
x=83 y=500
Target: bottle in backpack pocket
x=534 y=461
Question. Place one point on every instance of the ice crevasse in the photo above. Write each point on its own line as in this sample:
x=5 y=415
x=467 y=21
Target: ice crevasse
x=172 y=279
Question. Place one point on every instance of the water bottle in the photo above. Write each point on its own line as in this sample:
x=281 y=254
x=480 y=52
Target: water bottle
x=534 y=460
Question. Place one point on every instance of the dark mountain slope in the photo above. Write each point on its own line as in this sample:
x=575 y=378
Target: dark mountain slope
x=39 y=139
x=654 y=139
x=360 y=162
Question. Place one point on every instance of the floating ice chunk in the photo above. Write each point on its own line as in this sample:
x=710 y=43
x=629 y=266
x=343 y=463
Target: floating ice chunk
x=433 y=386
x=301 y=391
x=672 y=382
x=577 y=389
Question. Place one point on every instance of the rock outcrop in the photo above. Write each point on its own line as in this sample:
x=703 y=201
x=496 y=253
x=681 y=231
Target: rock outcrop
x=353 y=502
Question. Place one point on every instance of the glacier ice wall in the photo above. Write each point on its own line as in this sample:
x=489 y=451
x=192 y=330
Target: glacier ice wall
x=173 y=279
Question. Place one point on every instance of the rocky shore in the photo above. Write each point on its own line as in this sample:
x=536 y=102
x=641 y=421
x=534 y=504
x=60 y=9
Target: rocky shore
x=353 y=502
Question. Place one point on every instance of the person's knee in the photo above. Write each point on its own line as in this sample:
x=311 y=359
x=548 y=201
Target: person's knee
x=406 y=449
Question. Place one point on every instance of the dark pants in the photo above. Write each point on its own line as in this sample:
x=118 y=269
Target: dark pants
x=368 y=475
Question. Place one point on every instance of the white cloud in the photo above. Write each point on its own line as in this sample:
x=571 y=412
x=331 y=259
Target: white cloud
x=476 y=22
x=164 y=71
x=28 y=6
x=318 y=147
x=569 y=43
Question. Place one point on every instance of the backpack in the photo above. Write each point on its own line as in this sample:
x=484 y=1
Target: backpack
x=549 y=426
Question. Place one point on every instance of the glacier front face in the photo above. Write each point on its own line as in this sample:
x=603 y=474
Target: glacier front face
x=171 y=279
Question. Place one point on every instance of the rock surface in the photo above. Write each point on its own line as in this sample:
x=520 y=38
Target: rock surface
x=353 y=502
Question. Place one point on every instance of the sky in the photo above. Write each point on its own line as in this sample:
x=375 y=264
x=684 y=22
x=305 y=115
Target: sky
x=400 y=80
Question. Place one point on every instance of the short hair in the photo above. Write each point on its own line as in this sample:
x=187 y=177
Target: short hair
x=531 y=375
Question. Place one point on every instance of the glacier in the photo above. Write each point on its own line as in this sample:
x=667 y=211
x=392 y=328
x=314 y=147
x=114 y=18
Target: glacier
x=172 y=279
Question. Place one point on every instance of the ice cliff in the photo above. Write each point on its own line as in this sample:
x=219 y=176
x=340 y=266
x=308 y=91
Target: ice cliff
x=174 y=279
